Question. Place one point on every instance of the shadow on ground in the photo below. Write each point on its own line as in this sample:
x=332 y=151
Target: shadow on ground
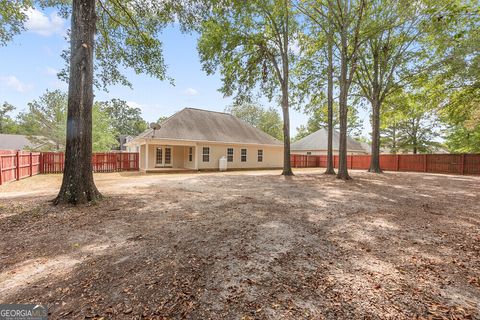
x=239 y=246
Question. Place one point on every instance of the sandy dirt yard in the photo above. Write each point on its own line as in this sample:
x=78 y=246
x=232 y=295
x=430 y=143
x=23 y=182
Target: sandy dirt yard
x=246 y=245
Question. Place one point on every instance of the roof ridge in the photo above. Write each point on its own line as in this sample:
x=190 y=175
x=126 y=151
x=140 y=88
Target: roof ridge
x=221 y=112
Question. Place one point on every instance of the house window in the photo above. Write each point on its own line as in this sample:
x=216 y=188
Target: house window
x=190 y=154
x=244 y=155
x=230 y=154
x=168 y=155
x=260 y=155
x=309 y=153
x=159 y=156
x=206 y=154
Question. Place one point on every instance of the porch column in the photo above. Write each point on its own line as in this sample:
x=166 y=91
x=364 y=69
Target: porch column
x=196 y=156
x=146 y=154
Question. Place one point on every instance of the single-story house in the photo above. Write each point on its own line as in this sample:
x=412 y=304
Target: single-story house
x=196 y=139
x=368 y=147
x=317 y=144
x=122 y=140
x=23 y=142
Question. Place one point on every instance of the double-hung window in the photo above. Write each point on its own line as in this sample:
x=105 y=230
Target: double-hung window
x=230 y=154
x=190 y=154
x=243 y=156
x=260 y=155
x=206 y=154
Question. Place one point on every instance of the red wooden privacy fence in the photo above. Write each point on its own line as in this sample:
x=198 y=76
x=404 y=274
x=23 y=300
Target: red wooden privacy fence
x=16 y=165
x=433 y=163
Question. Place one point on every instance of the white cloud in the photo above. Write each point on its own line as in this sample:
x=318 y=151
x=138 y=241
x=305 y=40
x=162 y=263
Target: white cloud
x=51 y=71
x=190 y=92
x=44 y=25
x=58 y=84
x=15 y=84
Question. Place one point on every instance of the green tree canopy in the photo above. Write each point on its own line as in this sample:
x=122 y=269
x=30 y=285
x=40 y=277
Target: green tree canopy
x=46 y=117
x=104 y=130
x=455 y=37
x=250 y=43
x=7 y=124
x=125 y=119
x=161 y=119
x=318 y=118
x=267 y=120
x=12 y=18
x=410 y=123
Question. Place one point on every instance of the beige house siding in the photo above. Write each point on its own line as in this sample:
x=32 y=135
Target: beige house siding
x=142 y=162
x=272 y=155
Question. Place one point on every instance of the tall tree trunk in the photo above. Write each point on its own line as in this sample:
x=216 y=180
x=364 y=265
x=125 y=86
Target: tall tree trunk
x=78 y=185
x=342 y=149
x=394 y=138
x=343 y=110
x=375 y=156
x=287 y=166
x=415 y=142
x=375 y=101
x=330 y=164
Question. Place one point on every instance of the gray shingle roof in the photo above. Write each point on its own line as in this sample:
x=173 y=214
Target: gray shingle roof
x=319 y=141
x=19 y=142
x=203 y=125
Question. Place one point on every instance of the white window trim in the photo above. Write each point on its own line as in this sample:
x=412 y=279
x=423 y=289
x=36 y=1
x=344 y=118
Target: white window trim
x=233 y=154
x=205 y=154
x=242 y=155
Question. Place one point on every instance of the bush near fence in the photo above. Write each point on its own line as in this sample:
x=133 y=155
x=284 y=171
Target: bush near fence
x=16 y=165
x=432 y=163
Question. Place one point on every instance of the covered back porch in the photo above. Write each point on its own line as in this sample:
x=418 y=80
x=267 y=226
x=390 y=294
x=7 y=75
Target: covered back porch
x=168 y=156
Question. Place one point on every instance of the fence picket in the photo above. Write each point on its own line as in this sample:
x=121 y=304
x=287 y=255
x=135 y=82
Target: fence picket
x=16 y=165
x=434 y=163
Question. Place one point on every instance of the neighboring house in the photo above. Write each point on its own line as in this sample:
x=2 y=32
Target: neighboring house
x=387 y=150
x=196 y=139
x=22 y=142
x=317 y=143
x=122 y=140
x=368 y=148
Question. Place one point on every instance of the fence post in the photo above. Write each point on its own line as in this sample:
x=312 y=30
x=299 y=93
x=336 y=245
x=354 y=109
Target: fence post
x=31 y=164
x=463 y=164
x=425 y=162
x=18 y=165
x=1 y=172
x=40 y=161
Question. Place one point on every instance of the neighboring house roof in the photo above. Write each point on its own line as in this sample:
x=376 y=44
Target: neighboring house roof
x=368 y=148
x=22 y=142
x=202 y=125
x=319 y=141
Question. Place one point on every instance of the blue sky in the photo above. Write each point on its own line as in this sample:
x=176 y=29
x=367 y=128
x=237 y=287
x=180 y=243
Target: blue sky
x=28 y=66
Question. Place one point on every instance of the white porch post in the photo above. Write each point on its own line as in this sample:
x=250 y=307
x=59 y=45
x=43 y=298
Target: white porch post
x=196 y=156
x=146 y=155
